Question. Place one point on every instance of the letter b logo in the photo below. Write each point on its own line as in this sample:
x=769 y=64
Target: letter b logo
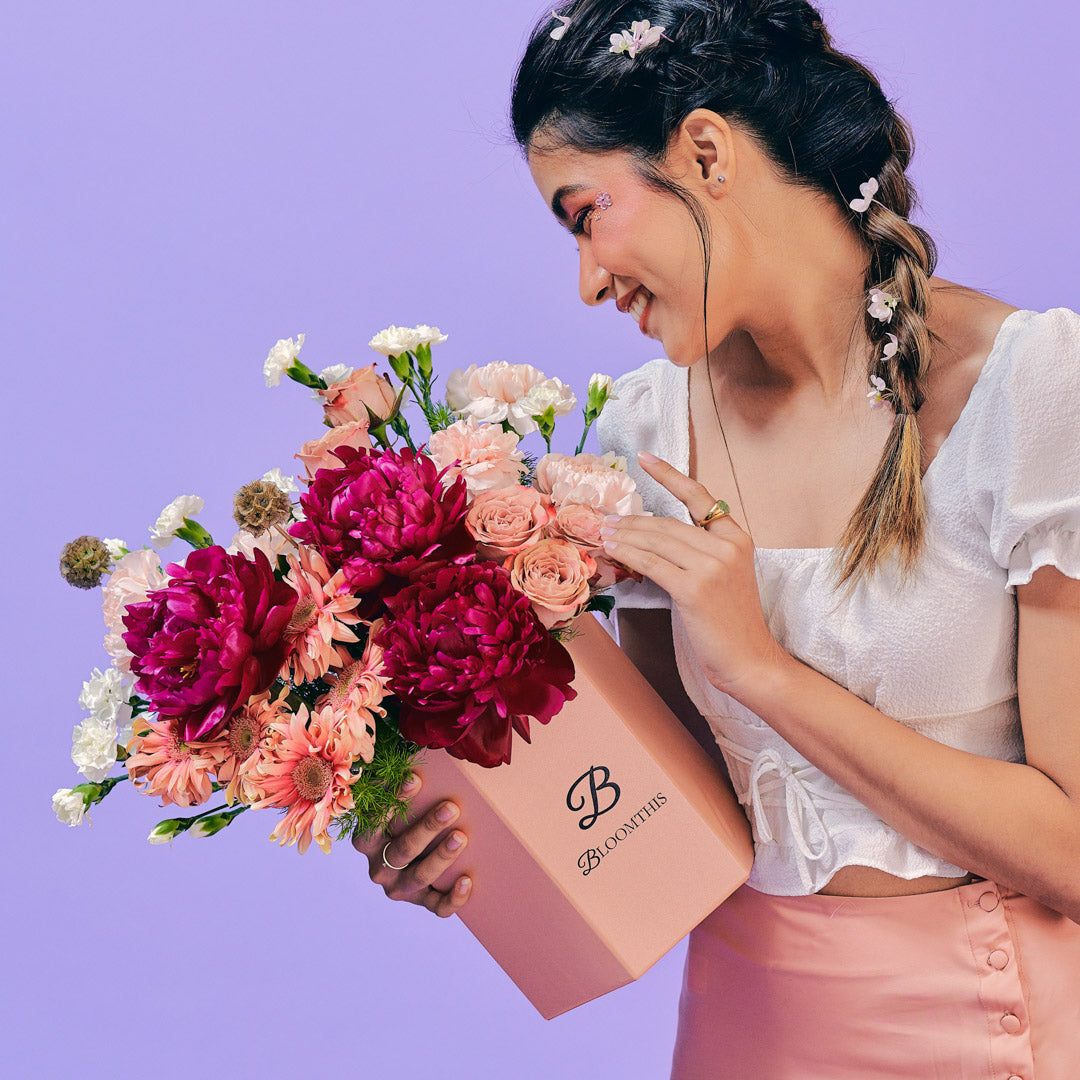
x=599 y=779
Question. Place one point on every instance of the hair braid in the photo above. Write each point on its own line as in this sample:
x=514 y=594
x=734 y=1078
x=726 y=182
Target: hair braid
x=891 y=515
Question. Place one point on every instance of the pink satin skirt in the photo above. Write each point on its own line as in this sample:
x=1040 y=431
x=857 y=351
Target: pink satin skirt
x=973 y=983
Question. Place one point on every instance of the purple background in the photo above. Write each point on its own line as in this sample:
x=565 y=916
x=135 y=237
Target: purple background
x=183 y=185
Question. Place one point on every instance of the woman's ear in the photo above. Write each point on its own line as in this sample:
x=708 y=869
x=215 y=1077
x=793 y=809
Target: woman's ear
x=702 y=153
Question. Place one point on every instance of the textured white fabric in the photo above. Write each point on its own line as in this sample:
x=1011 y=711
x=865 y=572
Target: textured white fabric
x=939 y=654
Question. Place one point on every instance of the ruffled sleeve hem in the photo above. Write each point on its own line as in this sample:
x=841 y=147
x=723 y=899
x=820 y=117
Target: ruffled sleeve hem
x=1057 y=547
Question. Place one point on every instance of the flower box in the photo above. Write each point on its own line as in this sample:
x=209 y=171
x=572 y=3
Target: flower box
x=601 y=845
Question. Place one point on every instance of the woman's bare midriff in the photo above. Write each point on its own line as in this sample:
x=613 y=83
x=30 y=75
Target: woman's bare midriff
x=868 y=881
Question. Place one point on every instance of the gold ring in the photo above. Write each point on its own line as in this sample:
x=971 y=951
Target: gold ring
x=386 y=862
x=719 y=509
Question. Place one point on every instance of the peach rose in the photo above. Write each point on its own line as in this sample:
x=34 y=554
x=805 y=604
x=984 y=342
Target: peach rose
x=317 y=453
x=136 y=574
x=505 y=521
x=587 y=480
x=485 y=455
x=554 y=575
x=580 y=525
x=351 y=398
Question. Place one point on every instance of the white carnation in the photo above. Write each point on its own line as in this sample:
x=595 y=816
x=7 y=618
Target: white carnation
x=172 y=518
x=278 y=478
x=335 y=373
x=550 y=394
x=395 y=340
x=117 y=548
x=280 y=359
x=69 y=807
x=601 y=383
x=271 y=543
x=105 y=697
x=93 y=748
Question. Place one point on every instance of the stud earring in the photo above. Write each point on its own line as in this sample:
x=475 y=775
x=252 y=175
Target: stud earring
x=720 y=179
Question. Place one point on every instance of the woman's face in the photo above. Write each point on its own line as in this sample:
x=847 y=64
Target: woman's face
x=643 y=252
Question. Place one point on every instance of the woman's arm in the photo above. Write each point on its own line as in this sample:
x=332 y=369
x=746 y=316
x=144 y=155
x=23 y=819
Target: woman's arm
x=645 y=636
x=1017 y=824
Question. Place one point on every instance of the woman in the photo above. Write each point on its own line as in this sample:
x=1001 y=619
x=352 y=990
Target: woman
x=882 y=633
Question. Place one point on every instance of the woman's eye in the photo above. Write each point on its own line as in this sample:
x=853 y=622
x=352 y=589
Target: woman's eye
x=583 y=216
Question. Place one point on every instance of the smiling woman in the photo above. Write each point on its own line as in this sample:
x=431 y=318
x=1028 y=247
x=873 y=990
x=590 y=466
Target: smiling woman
x=873 y=669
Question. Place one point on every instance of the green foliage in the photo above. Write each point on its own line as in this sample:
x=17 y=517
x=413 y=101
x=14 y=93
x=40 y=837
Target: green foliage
x=441 y=416
x=376 y=801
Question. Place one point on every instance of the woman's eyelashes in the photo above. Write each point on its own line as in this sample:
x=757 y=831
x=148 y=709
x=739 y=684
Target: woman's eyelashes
x=581 y=219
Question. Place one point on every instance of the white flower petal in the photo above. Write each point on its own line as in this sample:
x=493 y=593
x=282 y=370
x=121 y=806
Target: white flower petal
x=280 y=358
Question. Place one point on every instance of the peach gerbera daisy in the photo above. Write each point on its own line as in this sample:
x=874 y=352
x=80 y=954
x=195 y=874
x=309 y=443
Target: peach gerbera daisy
x=355 y=693
x=242 y=741
x=306 y=769
x=323 y=615
x=162 y=763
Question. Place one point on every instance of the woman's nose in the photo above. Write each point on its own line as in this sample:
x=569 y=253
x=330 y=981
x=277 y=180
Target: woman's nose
x=595 y=282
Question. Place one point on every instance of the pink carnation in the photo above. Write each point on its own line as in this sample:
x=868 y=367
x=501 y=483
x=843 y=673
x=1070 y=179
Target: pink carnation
x=589 y=480
x=485 y=455
x=319 y=453
x=512 y=393
x=136 y=574
x=505 y=521
x=554 y=575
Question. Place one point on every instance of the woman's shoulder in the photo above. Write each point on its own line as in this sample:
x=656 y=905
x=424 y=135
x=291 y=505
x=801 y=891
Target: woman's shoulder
x=644 y=401
x=1022 y=357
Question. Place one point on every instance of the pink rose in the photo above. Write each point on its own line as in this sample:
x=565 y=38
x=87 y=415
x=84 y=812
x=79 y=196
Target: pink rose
x=580 y=525
x=504 y=521
x=351 y=398
x=318 y=453
x=554 y=575
x=588 y=480
x=485 y=455
x=136 y=574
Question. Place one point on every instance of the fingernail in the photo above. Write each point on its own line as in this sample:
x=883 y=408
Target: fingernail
x=646 y=458
x=612 y=519
x=464 y=885
x=609 y=546
x=410 y=785
x=445 y=812
x=455 y=841
x=608 y=530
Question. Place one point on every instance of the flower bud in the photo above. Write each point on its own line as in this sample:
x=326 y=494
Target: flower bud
x=70 y=806
x=598 y=396
x=261 y=505
x=164 y=831
x=213 y=823
x=84 y=561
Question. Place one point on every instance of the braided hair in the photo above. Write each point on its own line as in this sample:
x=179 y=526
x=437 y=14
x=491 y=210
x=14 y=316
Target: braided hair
x=770 y=68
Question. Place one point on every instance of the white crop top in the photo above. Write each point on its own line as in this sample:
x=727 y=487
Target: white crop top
x=1002 y=499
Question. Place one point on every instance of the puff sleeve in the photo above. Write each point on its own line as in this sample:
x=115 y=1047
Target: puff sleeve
x=637 y=418
x=1024 y=463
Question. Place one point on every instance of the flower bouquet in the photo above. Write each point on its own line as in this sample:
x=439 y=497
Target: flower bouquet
x=407 y=596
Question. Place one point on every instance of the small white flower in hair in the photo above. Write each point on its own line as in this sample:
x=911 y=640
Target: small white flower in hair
x=868 y=191
x=878 y=391
x=890 y=349
x=557 y=33
x=882 y=305
x=640 y=36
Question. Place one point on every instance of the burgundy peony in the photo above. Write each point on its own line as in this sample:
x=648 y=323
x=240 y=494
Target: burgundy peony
x=210 y=639
x=381 y=514
x=471 y=663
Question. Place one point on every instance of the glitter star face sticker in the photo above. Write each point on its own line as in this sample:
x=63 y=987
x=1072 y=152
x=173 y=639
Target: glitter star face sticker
x=602 y=201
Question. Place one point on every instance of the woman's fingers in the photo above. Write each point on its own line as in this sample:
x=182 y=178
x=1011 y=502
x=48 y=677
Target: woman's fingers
x=445 y=904
x=694 y=496
x=410 y=877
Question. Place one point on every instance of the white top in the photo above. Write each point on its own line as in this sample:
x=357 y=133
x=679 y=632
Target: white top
x=1002 y=499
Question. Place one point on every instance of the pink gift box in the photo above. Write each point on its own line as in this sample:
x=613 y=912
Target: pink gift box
x=601 y=845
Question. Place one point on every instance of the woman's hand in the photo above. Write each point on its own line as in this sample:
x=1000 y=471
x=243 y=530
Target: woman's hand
x=709 y=574
x=406 y=848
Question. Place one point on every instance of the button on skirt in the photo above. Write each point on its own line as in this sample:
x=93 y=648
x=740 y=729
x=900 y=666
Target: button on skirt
x=972 y=983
